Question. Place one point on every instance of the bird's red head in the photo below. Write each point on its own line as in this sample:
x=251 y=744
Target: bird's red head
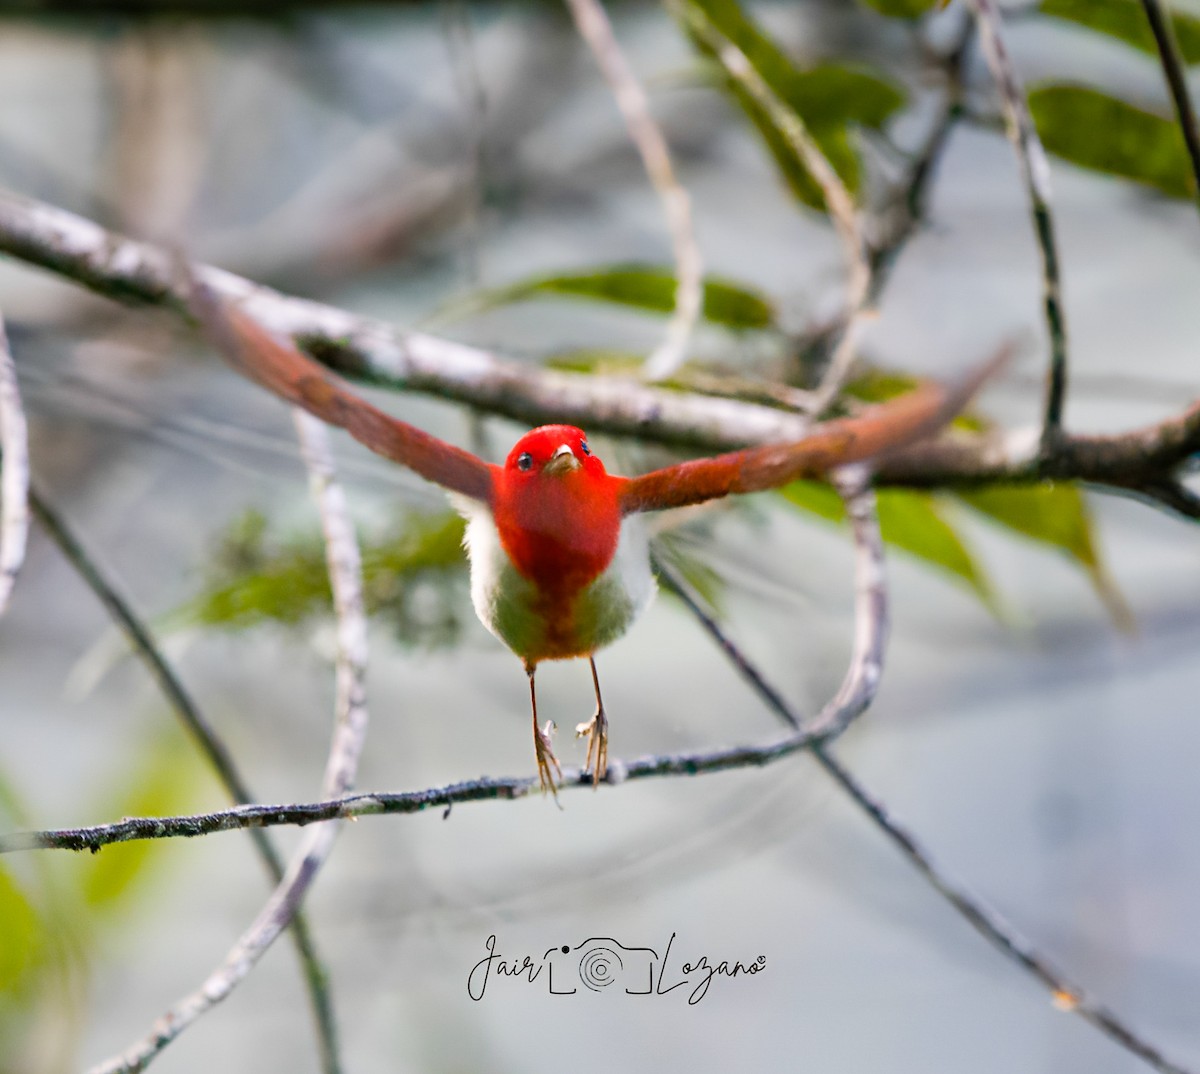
x=556 y=508
x=553 y=450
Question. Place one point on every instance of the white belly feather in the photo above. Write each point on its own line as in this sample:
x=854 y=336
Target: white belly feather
x=506 y=602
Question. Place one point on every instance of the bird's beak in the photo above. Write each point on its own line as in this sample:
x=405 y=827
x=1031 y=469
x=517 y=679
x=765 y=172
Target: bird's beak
x=563 y=461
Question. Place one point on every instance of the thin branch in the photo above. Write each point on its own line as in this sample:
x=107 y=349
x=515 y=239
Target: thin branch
x=14 y=474
x=838 y=199
x=342 y=559
x=127 y=270
x=209 y=742
x=985 y=920
x=1066 y=993
x=595 y=28
x=1172 y=64
x=1035 y=172
x=653 y=766
x=1171 y=495
x=136 y=272
x=910 y=201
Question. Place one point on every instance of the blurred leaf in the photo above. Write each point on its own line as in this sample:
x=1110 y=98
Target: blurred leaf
x=643 y=287
x=254 y=582
x=671 y=548
x=879 y=385
x=1125 y=19
x=815 y=498
x=597 y=360
x=160 y=784
x=22 y=936
x=1094 y=130
x=909 y=521
x=828 y=98
x=902 y=9
x=1055 y=514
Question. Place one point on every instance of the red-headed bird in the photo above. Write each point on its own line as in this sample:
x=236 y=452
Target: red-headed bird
x=560 y=562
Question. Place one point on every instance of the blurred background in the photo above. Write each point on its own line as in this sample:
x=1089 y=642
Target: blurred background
x=457 y=166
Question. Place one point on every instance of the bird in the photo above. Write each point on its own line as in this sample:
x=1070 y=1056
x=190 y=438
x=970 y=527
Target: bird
x=559 y=553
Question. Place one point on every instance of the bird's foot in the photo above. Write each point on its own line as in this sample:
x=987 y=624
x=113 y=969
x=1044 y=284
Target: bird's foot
x=596 y=732
x=545 y=758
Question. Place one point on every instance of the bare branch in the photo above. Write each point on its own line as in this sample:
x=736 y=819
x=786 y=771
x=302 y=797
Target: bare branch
x=344 y=566
x=597 y=31
x=837 y=198
x=14 y=474
x=132 y=271
x=1172 y=64
x=1171 y=495
x=909 y=204
x=1035 y=172
x=205 y=735
x=1067 y=994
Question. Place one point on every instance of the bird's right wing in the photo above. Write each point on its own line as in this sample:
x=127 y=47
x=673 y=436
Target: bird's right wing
x=877 y=431
x=293 y=376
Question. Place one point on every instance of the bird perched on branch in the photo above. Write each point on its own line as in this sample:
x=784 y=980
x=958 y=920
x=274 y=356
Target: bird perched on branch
x=560 y=561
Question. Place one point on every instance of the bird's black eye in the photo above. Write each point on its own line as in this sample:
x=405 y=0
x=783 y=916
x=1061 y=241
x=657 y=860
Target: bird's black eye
x=583 y=446
x=524 y=461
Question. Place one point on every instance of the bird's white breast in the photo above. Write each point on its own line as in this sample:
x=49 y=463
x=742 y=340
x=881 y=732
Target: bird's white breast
x=512 y=608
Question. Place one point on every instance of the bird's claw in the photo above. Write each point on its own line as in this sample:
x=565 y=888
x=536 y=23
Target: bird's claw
x=546 y=760
x=596 y=732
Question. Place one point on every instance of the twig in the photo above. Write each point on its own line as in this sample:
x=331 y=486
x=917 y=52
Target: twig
x=595 y=28
x=209 y=742
x=342 y=559
x=986 y=921
x=124 y=269
x=1035 y=172
x=1171 y=494
x=911 y=200
x=14 y=474
x=1172 y=64
x=837 y=198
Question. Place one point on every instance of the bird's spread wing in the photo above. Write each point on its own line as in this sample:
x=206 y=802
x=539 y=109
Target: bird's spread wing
x=877 y=431
x=293 y=376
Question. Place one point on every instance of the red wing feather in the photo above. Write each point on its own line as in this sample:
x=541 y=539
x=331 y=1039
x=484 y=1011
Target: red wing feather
x=298 y=379
x=879 y=430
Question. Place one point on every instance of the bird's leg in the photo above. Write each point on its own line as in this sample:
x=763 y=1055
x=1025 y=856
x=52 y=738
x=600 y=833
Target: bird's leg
x=541 y=742
x=596 y=731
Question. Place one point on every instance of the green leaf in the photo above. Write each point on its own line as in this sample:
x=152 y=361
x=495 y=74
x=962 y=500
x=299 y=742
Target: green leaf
x=1055 y=514
x=910 y=521
x=674 y=550
x=598 y=360
x=902 y=9
x=22 y=936
x=1096 y=131
x=1126 y=20
x=644 y=287
x=879 y=385
x=828 y=98
x=254 y=581
x=160 y=783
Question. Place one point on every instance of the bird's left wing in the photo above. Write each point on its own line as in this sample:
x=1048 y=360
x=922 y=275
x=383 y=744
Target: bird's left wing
x=286 y=372
x=877 y=431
